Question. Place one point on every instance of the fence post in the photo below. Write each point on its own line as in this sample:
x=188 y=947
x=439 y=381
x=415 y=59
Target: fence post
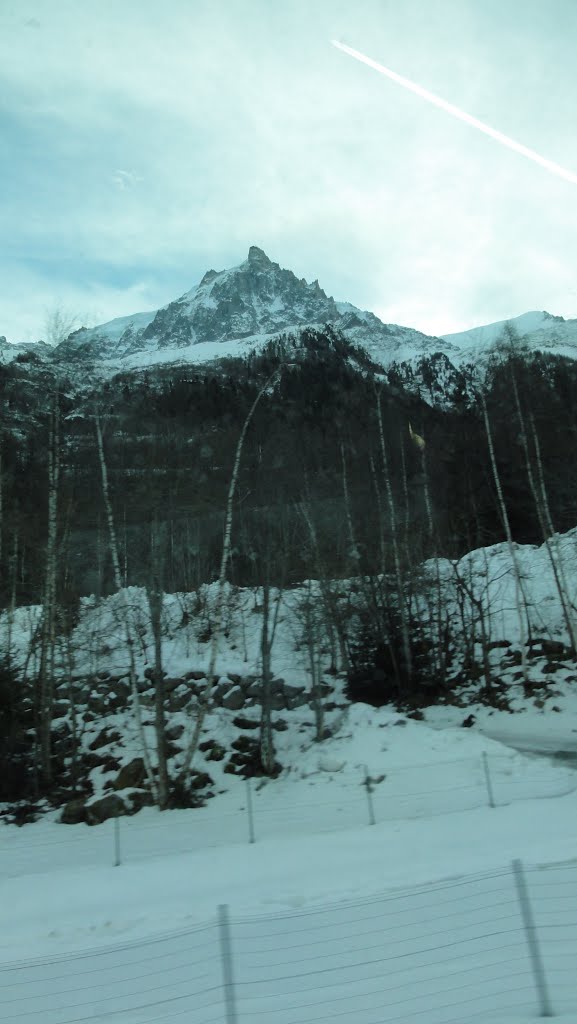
x=251 y=836
x=369 y=791
x=226 y=958
x=545 y=1008
x=117 y=860
x=488 y=780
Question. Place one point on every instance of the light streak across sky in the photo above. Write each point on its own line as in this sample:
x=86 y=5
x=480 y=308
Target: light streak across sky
x=450 y=108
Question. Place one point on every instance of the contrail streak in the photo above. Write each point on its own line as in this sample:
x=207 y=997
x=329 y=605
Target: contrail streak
x=549 y=165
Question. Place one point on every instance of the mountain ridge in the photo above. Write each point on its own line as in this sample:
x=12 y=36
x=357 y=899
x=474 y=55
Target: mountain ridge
x=235 y=311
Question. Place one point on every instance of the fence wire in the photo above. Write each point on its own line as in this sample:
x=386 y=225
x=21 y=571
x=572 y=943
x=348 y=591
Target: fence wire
x=450 y=952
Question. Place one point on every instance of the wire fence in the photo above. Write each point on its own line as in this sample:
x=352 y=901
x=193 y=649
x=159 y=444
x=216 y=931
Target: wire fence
x=462 y=951
x=279 y=811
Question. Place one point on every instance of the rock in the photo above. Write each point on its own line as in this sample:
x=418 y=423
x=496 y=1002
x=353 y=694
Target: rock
x=254 y=688
x=216 y=753
x=290 y=690
x=172 y=684
x=280 y=725
x=495 y=644
x=136 y=799
x=278 y=702
x=174 y=732
x=234 y=699
x=110 y=806
x=60 y=708
x=131 y=775
x=234 y=678
x=298 y=700
x=178 y=701
x=245 y=744
x=329 y=763
x=245 y=723
x=104 y=738
x=221 y=689
x=468 y=722
x=195 y=675
x=74 y=812
x=198 y=780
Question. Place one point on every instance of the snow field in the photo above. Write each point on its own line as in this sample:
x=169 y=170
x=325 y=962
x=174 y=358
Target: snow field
x=449 y=952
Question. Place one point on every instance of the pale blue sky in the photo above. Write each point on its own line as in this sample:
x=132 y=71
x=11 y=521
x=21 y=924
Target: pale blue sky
x=146 y=141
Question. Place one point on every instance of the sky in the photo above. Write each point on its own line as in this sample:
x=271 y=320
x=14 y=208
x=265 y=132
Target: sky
x=145 y=142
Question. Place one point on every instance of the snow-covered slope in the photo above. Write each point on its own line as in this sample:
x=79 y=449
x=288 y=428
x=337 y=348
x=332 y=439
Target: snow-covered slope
x=538 y=329
x=10 y=350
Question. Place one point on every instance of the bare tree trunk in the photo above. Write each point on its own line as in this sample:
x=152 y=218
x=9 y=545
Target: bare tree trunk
x=395 y=545
x=330 y=602
x=266 y=737
x=553 y=543
x=1 y=501
x=311 y=639
x=539 y=493
x=48 y=629
x=126 y=611
x=219 y=608
x=383 y=561
x=354 y=550
x=155 y=602
x=520 y=600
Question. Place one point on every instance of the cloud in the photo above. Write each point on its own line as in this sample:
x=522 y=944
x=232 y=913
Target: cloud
x=145 y=142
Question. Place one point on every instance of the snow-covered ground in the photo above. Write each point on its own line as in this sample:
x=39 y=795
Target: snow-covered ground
x=403 y=921
x=412 y=919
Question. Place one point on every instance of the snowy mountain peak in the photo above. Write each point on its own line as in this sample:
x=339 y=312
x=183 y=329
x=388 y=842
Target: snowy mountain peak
x=235 y=309
x=539 y=329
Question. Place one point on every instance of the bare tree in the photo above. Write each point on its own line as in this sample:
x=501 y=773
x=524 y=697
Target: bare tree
x=48 y=627
x=520 y=598
x=221 y=589
x=126 y=616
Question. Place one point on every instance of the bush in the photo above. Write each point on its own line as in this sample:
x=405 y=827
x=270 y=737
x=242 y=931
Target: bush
x=379 y=672
x=16 y=738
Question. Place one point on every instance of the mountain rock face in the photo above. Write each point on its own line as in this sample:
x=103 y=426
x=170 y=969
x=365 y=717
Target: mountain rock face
x=241 y=307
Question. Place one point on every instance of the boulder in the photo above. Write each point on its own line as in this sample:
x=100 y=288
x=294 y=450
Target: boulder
x=199 y=780
x=278 y=702
x=74 y=812
x=60 y=708
x=103 y=738
x=195 y=675
x=131 y=775
x=291 y=690
x=174 y=732
x=245 y=723
x=298 y=700
x=178 y=701
x=172 y=684
x=110 y=806
x=234 y=699
x=331 y=764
